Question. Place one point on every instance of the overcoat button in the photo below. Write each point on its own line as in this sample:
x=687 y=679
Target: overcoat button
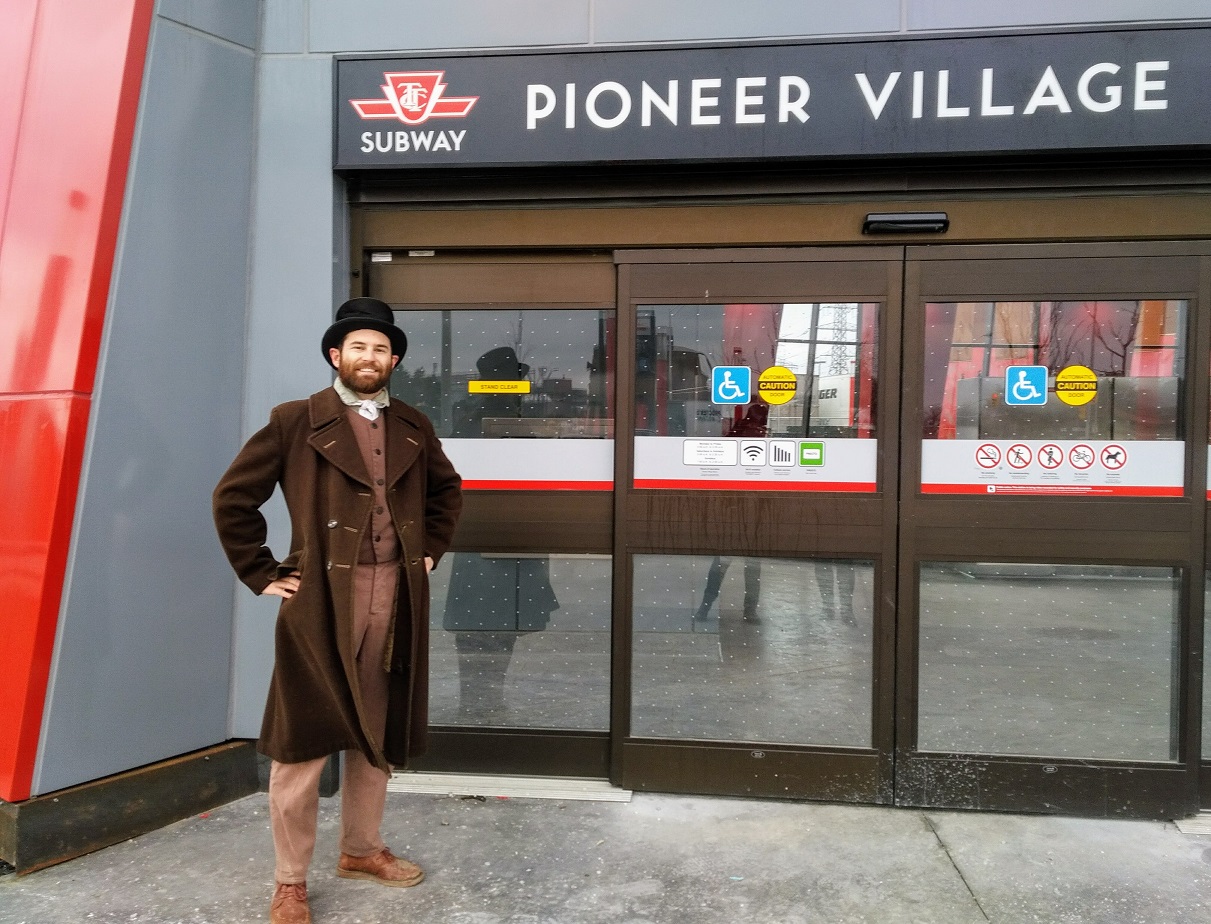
x=332 y=524
x=329 y=566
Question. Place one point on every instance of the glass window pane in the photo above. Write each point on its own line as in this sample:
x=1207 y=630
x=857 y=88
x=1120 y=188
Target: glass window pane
x=752 y=649
x=1207 y=672
x=830 y=348
x=549 y=372
x=520 y=640
x=1135 y=348
x=1048 y=660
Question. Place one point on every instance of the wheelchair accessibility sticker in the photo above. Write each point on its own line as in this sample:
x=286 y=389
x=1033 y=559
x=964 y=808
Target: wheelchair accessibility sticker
x=1026 y=386
x=731 y=384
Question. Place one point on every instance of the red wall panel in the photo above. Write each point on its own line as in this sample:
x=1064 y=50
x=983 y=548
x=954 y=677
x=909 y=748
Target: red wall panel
x=70 y=75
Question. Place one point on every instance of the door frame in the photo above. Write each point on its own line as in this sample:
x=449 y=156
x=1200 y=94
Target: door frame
x=756 y=275
x=1163 y=532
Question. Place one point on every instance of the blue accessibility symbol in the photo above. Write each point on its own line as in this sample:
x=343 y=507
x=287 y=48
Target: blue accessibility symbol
x=1026 y=386
x=731 y=384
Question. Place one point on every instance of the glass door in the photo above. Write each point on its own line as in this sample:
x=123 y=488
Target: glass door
x=512 y=359
x=755 y=537
x=1051 y=537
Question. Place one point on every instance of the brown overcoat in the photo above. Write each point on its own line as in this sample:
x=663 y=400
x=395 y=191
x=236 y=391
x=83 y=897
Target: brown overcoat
x=309 y=448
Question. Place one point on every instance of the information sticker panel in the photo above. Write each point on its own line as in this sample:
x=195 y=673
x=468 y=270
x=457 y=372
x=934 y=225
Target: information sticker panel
x=756 y=397
x=1078 y=397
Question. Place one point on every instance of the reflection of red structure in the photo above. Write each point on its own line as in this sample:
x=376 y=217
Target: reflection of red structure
x=973 y=340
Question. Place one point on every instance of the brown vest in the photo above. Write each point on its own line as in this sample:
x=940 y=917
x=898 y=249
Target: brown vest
x=381 y=544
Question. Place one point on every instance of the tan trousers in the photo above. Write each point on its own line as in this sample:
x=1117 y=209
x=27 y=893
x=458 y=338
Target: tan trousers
x=294 y=788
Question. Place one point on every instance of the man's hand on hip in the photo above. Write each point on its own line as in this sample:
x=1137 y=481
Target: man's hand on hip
x=283 y=587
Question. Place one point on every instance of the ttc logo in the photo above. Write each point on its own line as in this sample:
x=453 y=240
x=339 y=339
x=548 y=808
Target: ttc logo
x=414 y=97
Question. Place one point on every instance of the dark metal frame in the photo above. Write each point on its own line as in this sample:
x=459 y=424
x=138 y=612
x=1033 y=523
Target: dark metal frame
x=504 y=522
x=798 y=524
x=1166 y=532
x=1177 y=529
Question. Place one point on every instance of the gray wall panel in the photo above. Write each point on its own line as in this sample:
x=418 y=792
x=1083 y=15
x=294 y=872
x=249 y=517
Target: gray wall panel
x=964 y=14
x=235 y=20
x=376 y=25
x=681 y=20
x=291 y=303
x=142 y=659
x=284 y=27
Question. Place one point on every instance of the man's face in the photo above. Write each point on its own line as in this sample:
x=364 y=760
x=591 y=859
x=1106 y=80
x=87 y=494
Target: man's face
x=364 y=362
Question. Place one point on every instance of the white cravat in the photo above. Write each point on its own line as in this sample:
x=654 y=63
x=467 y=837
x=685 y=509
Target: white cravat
x=368 y=408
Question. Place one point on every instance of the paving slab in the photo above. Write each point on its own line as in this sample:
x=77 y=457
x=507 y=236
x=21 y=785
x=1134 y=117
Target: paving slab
x=655 y=860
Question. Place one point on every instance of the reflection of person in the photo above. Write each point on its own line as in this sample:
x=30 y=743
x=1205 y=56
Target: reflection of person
x=838 y=601
x=754 y=422
x=492 y=599
x=714 y=581
x=497 y=365
x=373 y=501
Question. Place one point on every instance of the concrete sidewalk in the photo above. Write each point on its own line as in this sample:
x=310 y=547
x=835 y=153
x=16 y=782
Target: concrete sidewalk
x=659 y=859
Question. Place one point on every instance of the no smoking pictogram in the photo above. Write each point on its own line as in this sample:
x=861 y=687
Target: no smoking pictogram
x=1114 y=457
x=988 y=455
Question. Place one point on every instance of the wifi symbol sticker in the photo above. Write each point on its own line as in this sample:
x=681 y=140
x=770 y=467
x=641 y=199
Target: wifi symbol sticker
x=752 y=452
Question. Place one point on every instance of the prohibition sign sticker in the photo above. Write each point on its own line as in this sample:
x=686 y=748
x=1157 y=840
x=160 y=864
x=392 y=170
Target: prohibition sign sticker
x=1050 y=456
x=1081 y=456
x=988 y=455
x=1114 y=457
x=1018 y=455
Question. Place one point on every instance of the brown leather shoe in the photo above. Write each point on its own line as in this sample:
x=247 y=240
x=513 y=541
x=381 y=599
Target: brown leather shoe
x=289 y=904
x=382 y=867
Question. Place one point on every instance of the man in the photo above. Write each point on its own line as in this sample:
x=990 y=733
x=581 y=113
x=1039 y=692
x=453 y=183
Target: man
x=373 y=502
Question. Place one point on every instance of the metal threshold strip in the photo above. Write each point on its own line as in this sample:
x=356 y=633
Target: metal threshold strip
x=512 y=787
x=1199 y=824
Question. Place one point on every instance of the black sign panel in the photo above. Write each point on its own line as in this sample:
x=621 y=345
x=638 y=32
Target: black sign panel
x=962 y=95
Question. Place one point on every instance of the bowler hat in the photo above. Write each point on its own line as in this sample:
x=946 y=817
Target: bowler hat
x=363 y=314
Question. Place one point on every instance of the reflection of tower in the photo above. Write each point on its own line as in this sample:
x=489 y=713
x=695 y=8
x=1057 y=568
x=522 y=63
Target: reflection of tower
x=839 y=352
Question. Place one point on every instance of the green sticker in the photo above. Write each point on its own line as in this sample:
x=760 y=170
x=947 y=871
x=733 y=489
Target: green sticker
x=811 y=453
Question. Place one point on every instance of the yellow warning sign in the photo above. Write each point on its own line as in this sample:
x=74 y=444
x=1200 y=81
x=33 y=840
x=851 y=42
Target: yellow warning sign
x=503 y=387
x=1076 y=385
x=777 y=385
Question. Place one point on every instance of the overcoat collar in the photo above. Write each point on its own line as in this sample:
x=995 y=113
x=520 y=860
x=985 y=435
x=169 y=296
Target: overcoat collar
x=333 y=438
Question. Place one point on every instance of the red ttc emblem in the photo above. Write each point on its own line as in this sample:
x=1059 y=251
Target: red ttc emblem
x=414 y=97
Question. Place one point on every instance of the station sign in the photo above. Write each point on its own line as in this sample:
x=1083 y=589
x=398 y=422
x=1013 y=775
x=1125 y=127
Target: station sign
x=959 y=95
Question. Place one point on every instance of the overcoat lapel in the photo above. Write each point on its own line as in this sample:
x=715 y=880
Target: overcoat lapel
x=333 y=437
x=403 y=445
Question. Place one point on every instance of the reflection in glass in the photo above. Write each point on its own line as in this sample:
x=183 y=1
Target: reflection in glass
x=559 y=363
x=732 y=648
x=830 y=348
x=1136 y=348
x=1048 y=660
x=520 y=641
x=1207 y=671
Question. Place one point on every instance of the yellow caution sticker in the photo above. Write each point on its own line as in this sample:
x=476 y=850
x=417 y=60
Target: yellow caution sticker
x=503 y=387
x=777 y=385
x=1076 y=385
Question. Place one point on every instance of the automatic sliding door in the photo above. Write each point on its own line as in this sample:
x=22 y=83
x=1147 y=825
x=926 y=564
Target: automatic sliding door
x=1051 y=538
x=512 y=360
x=759 y=523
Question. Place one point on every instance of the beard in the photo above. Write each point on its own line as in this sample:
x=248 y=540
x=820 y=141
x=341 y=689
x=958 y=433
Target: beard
x=364 y=377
